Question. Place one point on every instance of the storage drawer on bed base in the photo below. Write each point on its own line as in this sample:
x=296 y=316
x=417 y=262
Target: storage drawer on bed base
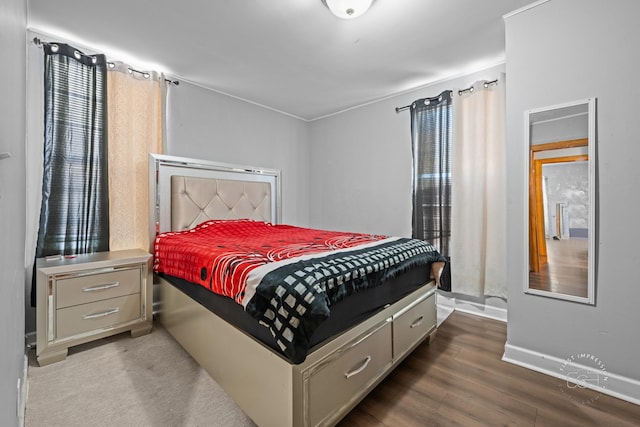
x=413 y=325
x=346 y=376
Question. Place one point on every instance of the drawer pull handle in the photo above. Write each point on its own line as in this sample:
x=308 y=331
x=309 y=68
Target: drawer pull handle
x=417 y=322
x=102 y=287
x=361 y=368
x=104 y=313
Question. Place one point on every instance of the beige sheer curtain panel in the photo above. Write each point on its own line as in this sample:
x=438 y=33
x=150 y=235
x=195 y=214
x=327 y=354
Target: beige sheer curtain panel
x=136 y=128
x=478 y=205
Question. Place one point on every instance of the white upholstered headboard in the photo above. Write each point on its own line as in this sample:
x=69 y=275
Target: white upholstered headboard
x=185 y=192
x=194 y=200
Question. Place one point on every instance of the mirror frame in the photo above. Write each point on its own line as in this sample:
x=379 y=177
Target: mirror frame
x=591 y=245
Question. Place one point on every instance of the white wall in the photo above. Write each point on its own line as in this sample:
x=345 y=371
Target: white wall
x=560 y=51
x=13 y=16
x=207 y=125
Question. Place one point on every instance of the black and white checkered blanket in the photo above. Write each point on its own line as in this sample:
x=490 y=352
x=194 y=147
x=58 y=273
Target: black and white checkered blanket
x=293 y=299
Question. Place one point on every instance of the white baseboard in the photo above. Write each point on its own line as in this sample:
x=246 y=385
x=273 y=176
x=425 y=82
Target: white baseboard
x=611 y=383
x=477 y=309
x=443 y=313
x=23 y=389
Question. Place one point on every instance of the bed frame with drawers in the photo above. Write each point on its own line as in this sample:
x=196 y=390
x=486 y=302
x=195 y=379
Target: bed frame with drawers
x=336 y=374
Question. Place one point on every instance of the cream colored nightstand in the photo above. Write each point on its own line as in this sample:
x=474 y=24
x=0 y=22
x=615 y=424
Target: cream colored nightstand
x=91 y=296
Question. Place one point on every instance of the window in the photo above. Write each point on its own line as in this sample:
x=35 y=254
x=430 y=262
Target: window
x=74 y=216
x=431 y=131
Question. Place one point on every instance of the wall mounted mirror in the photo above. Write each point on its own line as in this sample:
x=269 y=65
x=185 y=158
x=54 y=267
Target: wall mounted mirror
x=561 y=208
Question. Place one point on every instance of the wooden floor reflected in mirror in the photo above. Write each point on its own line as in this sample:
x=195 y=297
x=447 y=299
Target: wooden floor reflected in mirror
x=566 y=269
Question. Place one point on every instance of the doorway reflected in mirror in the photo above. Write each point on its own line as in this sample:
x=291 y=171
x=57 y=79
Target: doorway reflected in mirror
x=563 y=182
x=561 y=215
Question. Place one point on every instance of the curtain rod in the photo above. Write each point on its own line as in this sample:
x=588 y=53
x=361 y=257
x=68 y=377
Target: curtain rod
x=406 y=107
x=460 y=92
x=470 y=88
x=40 y=43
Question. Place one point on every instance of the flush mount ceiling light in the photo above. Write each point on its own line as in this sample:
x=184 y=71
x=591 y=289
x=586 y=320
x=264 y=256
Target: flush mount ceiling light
x=347 y=9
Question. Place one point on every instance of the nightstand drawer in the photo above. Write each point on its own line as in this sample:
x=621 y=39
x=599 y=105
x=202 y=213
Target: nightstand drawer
x=88 y=288
x=98 y=315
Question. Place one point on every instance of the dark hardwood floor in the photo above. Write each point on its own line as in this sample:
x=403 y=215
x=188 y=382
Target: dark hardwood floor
x=566 y=269
x=459 y=379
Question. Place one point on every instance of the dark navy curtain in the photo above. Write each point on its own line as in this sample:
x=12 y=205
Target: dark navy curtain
x=431 y=135
x=74 y=216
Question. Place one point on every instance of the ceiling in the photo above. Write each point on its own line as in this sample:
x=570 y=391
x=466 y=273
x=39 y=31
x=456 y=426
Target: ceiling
x=293 y=56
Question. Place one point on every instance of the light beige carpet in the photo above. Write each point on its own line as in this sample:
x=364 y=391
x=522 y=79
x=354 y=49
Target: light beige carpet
x=124 y=381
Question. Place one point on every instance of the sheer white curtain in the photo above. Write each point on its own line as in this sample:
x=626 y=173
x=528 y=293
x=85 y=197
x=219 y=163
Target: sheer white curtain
x=478 y=206
x=136 y=128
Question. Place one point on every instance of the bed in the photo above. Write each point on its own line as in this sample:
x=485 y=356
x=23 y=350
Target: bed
x=365 y=336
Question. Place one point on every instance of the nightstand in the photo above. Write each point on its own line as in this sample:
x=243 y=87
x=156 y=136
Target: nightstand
x=91 y=296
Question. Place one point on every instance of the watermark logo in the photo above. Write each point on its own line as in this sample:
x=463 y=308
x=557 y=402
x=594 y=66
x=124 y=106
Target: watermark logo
x=583 y=370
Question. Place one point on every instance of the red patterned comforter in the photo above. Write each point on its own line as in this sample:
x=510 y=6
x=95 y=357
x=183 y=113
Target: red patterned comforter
x=220 y=254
